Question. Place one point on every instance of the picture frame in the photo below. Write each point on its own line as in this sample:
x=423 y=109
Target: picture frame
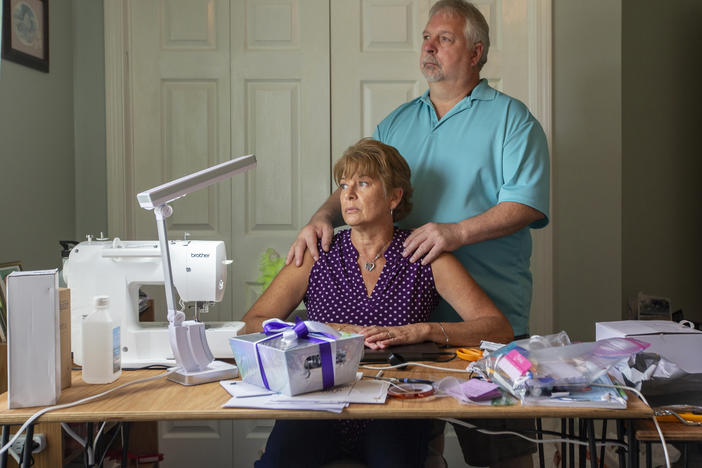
x=3 y=312
x=7 y=268
x=25 y=33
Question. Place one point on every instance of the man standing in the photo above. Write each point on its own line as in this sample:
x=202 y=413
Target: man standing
x=480 y=173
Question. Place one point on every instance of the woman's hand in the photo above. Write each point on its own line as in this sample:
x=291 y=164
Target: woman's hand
x=379 y=337
x=347 y=327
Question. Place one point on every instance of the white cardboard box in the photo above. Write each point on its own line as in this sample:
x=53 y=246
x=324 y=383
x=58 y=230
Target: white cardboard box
x=677 y=343
x=33 y=339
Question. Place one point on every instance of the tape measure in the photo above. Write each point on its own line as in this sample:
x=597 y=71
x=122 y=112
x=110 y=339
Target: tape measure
x=408 y=391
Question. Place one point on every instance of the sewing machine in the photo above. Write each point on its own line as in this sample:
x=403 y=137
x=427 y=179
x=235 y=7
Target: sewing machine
x=118 y=268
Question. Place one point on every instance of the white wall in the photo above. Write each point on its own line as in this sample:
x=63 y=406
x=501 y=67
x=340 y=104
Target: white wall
x=587 y=164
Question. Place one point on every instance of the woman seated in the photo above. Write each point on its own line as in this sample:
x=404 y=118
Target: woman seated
x=364 y=285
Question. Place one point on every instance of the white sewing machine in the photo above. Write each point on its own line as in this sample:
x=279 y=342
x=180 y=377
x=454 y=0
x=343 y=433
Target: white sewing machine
x=118 y=268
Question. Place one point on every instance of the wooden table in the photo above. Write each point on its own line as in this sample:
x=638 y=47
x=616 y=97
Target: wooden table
x=646 y=432
x=162 y=400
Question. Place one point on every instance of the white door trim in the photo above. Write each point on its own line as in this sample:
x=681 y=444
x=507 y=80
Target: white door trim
x=117 y=118
x=541 y=71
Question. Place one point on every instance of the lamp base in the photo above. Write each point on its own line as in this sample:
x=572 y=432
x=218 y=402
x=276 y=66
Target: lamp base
x=216 y=371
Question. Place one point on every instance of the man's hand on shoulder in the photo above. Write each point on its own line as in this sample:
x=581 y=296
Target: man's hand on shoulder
x=307 y=239
x=431 y=240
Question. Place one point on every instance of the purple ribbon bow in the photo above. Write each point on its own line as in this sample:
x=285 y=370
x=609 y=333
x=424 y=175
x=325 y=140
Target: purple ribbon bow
x=300 y=331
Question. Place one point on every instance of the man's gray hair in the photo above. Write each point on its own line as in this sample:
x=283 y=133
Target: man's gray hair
x=476 y=30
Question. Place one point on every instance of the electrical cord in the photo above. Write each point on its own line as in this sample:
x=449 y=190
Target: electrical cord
x=43 y=411
x=115 y=430
x=530 y=439
x=420 y=364
x=655 y=421
x=574 y=441
x=73 y=434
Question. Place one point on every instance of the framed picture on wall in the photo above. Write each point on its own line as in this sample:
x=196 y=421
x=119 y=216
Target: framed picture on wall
x=25 y=33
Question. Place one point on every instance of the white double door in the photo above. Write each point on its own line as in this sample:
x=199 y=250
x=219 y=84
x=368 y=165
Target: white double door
x=295 y=82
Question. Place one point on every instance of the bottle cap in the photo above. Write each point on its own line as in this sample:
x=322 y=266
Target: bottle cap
x=102 y=301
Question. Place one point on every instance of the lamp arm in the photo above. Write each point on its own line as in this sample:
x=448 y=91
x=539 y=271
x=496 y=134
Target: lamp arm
x=162 y=212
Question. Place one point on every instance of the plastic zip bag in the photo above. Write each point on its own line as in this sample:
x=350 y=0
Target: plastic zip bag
x=538 y=367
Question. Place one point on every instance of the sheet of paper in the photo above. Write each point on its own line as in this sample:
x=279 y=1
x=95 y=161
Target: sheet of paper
x=369 y=391
x=334 y=394
x=334 y=399
x=269 y=402
x=240 y=389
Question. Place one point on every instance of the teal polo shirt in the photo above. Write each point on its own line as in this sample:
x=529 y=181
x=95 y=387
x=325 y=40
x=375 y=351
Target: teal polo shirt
x=487 y=149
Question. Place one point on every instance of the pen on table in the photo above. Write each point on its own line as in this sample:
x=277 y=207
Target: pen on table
x=408 y=380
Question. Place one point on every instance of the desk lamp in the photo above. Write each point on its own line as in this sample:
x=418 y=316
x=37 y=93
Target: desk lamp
x=194 y=360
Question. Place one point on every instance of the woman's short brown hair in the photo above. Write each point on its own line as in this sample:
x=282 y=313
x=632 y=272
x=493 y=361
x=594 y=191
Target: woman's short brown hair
x=375 y=159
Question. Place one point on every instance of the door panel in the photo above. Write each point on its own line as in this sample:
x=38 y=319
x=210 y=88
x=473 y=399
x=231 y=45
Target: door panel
x=196 y=443
x=179 y=56
x=374 y=62
x=280 y=100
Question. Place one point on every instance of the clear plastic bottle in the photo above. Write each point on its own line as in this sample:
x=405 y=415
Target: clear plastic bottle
x=102 y=349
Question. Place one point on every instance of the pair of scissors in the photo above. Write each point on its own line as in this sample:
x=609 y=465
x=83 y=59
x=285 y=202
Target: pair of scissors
x=469 y=354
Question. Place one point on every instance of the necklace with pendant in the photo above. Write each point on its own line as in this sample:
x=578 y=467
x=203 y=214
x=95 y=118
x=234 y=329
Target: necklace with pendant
x=370 y=264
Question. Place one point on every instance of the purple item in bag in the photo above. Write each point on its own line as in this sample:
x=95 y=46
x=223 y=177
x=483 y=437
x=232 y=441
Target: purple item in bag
x=480 y=390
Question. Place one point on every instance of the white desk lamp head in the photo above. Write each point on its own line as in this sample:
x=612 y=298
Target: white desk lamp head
x=187 y=338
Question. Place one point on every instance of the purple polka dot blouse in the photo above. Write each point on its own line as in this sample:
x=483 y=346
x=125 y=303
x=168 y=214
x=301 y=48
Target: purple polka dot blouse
x=405 y=292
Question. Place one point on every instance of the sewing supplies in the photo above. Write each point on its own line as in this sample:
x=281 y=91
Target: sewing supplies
x=469 y=354
x=411 y=391
x=480 y=390
x=404 y=380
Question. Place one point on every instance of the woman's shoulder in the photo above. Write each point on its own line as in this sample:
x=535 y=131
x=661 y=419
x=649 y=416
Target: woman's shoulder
x=397 y=248
x=338 y=247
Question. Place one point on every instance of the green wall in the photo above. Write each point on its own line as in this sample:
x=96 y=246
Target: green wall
x=36 y=152
x=89 y=117
x=52 y=141
x=586 y=164
x=662 y=160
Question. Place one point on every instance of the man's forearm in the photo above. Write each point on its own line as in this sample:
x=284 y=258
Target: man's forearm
x=501 y=220
x=330 y=211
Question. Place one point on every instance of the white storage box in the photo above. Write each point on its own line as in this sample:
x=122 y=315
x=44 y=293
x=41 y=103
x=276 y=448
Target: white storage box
x=33 y=339
x=671 y=340
x=298 y=365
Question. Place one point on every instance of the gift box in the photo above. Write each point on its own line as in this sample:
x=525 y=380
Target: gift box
x=297 y=358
